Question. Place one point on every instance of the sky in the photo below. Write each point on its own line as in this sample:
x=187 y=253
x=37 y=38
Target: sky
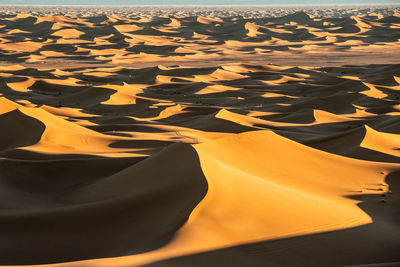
x=193 y=2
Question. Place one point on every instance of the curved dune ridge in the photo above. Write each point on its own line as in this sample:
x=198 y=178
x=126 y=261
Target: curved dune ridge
x=165 y=138
x=137 y=166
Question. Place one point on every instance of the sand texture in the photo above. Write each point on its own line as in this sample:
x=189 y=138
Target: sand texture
x=139 y=37
x=199 y=137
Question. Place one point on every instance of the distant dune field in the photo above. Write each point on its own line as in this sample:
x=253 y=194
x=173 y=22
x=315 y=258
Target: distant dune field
x=190 y=136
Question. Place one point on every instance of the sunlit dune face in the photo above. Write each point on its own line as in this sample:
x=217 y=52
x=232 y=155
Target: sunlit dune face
x=149 y=136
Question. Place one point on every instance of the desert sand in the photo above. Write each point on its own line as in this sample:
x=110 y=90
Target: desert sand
x=200 y=136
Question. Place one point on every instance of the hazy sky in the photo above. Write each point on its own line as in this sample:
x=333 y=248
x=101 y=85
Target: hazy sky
x=193 y=2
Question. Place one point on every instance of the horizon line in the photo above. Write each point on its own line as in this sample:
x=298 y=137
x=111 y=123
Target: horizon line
x=215 y=5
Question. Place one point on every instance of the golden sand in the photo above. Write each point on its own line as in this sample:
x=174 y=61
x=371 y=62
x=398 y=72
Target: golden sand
x=172 y=140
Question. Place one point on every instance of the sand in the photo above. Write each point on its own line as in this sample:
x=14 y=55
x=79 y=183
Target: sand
x=199 y=136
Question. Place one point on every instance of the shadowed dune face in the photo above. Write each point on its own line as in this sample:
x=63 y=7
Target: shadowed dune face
x=53 y=218
x=14 y=124
x=112 y=155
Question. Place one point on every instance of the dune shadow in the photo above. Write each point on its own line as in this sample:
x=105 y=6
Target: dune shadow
x=48 y=217
x=19 y=130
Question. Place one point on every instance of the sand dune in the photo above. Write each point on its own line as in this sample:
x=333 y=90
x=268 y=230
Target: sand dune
x=199 y=137
x=258 y=36
x=131 y=125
